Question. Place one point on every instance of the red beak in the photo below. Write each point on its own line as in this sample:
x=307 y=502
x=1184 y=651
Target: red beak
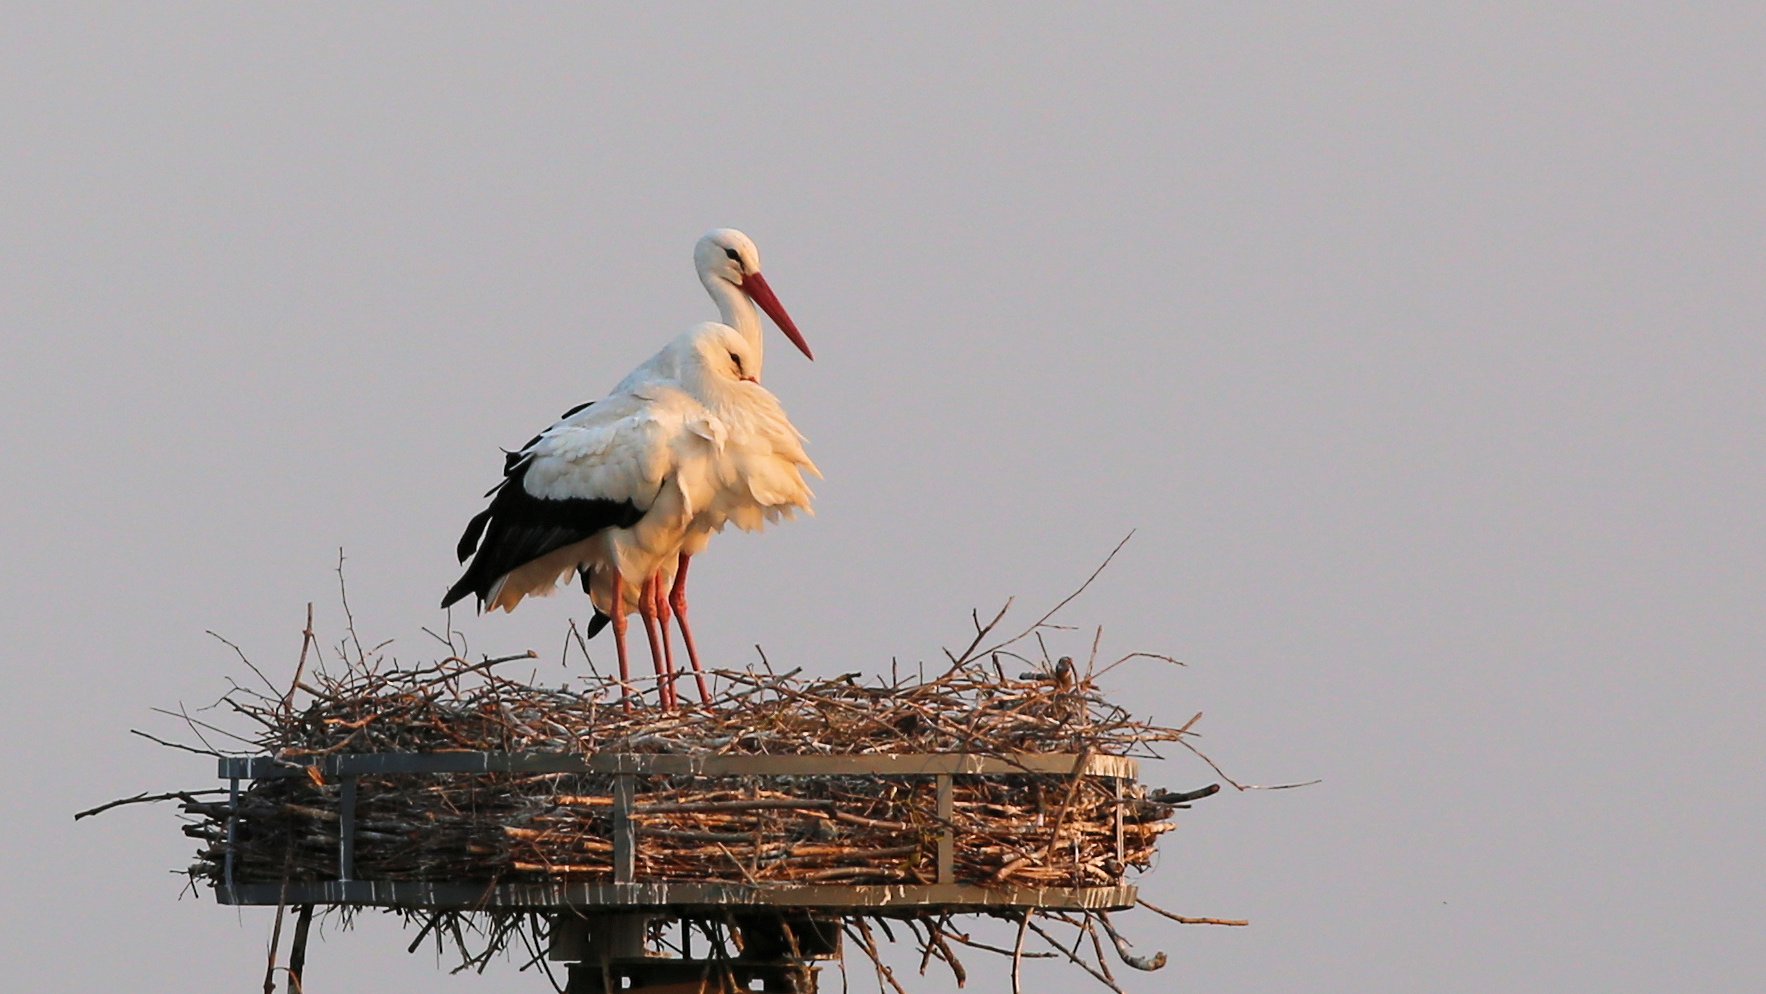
x=755 y=286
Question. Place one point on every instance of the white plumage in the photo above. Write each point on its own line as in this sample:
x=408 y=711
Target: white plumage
x=758 y=475
x=641 y=447
x=621 y=491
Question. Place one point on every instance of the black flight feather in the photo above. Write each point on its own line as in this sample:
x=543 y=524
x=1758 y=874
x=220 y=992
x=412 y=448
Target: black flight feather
x=519 y=528
x=599 y=621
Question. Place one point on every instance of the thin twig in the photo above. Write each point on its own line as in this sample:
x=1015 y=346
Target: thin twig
x=1074 y=959
x=349 y=618
x=146 y=798
x=237 y=651
x=1065 y=600
x=1187 y=920
x=307 y=638
x=1243 y=786
x=174 y=745
x=1161 y=657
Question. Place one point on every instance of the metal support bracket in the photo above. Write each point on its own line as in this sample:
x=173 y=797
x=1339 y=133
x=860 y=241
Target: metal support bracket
x=346 y=834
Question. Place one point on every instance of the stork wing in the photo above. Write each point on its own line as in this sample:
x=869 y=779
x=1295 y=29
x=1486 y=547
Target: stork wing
x=599 y=468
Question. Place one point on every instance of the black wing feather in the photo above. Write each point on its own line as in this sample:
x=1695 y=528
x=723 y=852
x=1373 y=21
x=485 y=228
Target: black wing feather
x=474 y=531
x=518 y=528
x=599 y=621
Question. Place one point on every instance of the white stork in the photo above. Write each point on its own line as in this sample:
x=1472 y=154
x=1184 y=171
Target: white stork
x=728 y=263
x=614 y=490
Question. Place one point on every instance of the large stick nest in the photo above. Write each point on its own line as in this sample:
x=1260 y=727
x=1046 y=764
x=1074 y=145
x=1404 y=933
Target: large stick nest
x=1020 y=829
x=1010 y=830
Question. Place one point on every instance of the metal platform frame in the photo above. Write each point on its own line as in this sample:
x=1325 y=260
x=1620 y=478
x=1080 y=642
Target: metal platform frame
x=598 y=927
x=626 y=890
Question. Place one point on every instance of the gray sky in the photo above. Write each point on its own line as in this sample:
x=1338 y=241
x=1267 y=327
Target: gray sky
x=1423 y=350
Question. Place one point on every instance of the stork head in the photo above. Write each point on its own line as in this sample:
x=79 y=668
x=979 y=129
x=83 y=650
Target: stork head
x=727 y=256
x=714 y=356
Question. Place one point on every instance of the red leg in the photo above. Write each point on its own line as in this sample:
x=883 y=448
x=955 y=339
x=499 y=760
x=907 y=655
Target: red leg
x=678 y=599
x=668 y=652
x=619 y=622
x=647 y=611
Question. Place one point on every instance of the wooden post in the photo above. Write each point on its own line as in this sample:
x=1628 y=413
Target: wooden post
x=947 y=835
x=625 y=840
x=1117 y=782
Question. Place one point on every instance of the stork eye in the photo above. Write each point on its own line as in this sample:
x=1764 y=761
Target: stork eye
x=737 y=360
x=732 y=253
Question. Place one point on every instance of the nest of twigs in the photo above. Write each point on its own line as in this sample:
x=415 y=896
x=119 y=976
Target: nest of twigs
x=1044 y=830
x=1023 y=829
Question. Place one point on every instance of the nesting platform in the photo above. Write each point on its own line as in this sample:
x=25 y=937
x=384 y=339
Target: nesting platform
x=727 y=846
x=908 y=825
x=773 y=852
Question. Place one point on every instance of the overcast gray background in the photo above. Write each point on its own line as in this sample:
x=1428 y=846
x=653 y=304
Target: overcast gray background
x=1423 y=349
